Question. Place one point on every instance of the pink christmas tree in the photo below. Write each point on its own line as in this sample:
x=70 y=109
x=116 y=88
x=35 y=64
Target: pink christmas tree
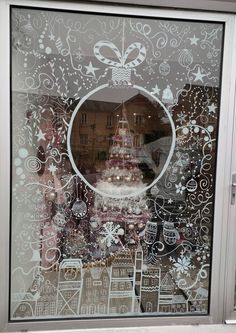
x=119 y=219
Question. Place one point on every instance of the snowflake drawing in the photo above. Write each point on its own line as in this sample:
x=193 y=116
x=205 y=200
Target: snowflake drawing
x=180 y=188
x=182 y=265
x=111 y=233
x=181 y=118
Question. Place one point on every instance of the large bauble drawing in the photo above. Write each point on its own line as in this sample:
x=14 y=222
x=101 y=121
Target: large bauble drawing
x=185 y=58
x=79 y=208
x=97 y=116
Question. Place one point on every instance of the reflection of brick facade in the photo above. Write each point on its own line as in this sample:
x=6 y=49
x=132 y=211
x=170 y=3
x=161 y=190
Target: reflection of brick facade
x=96 y=122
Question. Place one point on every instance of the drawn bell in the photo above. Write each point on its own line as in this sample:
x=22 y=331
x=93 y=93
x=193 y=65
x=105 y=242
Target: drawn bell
x=167 y=96
x=35 y=255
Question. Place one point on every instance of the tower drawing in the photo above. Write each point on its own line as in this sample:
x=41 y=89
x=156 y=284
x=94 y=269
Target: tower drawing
x=122 y=284
x=95 y=293
x=138 y=279
x=69 y=287
x=150 y=289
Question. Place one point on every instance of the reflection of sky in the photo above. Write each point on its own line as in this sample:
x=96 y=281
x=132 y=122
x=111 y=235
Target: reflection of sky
x=113 y=96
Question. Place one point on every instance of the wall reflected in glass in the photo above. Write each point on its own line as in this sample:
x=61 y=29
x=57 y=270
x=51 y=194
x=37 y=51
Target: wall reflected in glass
x=114 y=138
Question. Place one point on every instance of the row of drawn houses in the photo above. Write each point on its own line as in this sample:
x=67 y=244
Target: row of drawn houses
x=124 y=288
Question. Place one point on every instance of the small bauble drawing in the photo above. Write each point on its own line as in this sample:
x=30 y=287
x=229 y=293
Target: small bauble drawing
x=185 y=58
x=170 y=234
x=191 y=185
x=59 y=220
x=95 y=222
x=51 y=196
x=164 y=68
x=154 y=190
x=79 y=208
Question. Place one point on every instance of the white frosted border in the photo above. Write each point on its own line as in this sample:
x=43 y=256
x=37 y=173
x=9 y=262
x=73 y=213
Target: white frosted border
x=80 y=174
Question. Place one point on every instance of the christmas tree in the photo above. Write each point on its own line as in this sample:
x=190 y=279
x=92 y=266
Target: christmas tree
x=120 y=218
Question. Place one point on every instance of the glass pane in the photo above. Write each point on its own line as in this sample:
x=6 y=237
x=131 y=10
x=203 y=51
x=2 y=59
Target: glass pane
x=114 y=138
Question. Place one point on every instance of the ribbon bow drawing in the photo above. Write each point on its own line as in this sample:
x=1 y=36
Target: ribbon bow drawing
x=121 y=57
x=121 y=69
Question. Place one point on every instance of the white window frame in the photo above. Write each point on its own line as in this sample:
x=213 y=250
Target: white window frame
x=223 y=176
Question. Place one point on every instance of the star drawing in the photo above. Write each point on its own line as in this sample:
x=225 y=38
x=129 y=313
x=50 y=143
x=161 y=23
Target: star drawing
x=199 y=75
x=91 y=69
x=41 y=136
x=51 y=36
x=155 y=90
x=194 y=40
x=212 y=108
x=52 y=168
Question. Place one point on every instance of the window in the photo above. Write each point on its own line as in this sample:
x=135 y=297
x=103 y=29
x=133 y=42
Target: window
x=92 y=308
x=146 y=281
x=83 y=119
x=83 y=139
x=105 y=282
x=88 y=282
x=148 y=307
x=116 y=272
x=84 y=309
x=97 y=283
x=110 y=120
x=83 y=206
x=122 y=285
x=139 y=119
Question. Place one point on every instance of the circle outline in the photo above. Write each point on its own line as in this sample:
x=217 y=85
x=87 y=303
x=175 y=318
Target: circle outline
x=134 y=194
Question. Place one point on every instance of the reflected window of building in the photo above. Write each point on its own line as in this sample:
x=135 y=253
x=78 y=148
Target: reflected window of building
x=110 y=120
x=83 y=118
x=83 y=139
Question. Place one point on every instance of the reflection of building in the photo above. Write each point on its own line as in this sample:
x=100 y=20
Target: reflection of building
x=198 y=300
x=96 y=123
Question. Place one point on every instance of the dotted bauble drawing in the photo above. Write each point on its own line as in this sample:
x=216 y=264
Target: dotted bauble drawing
x=59 y=220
